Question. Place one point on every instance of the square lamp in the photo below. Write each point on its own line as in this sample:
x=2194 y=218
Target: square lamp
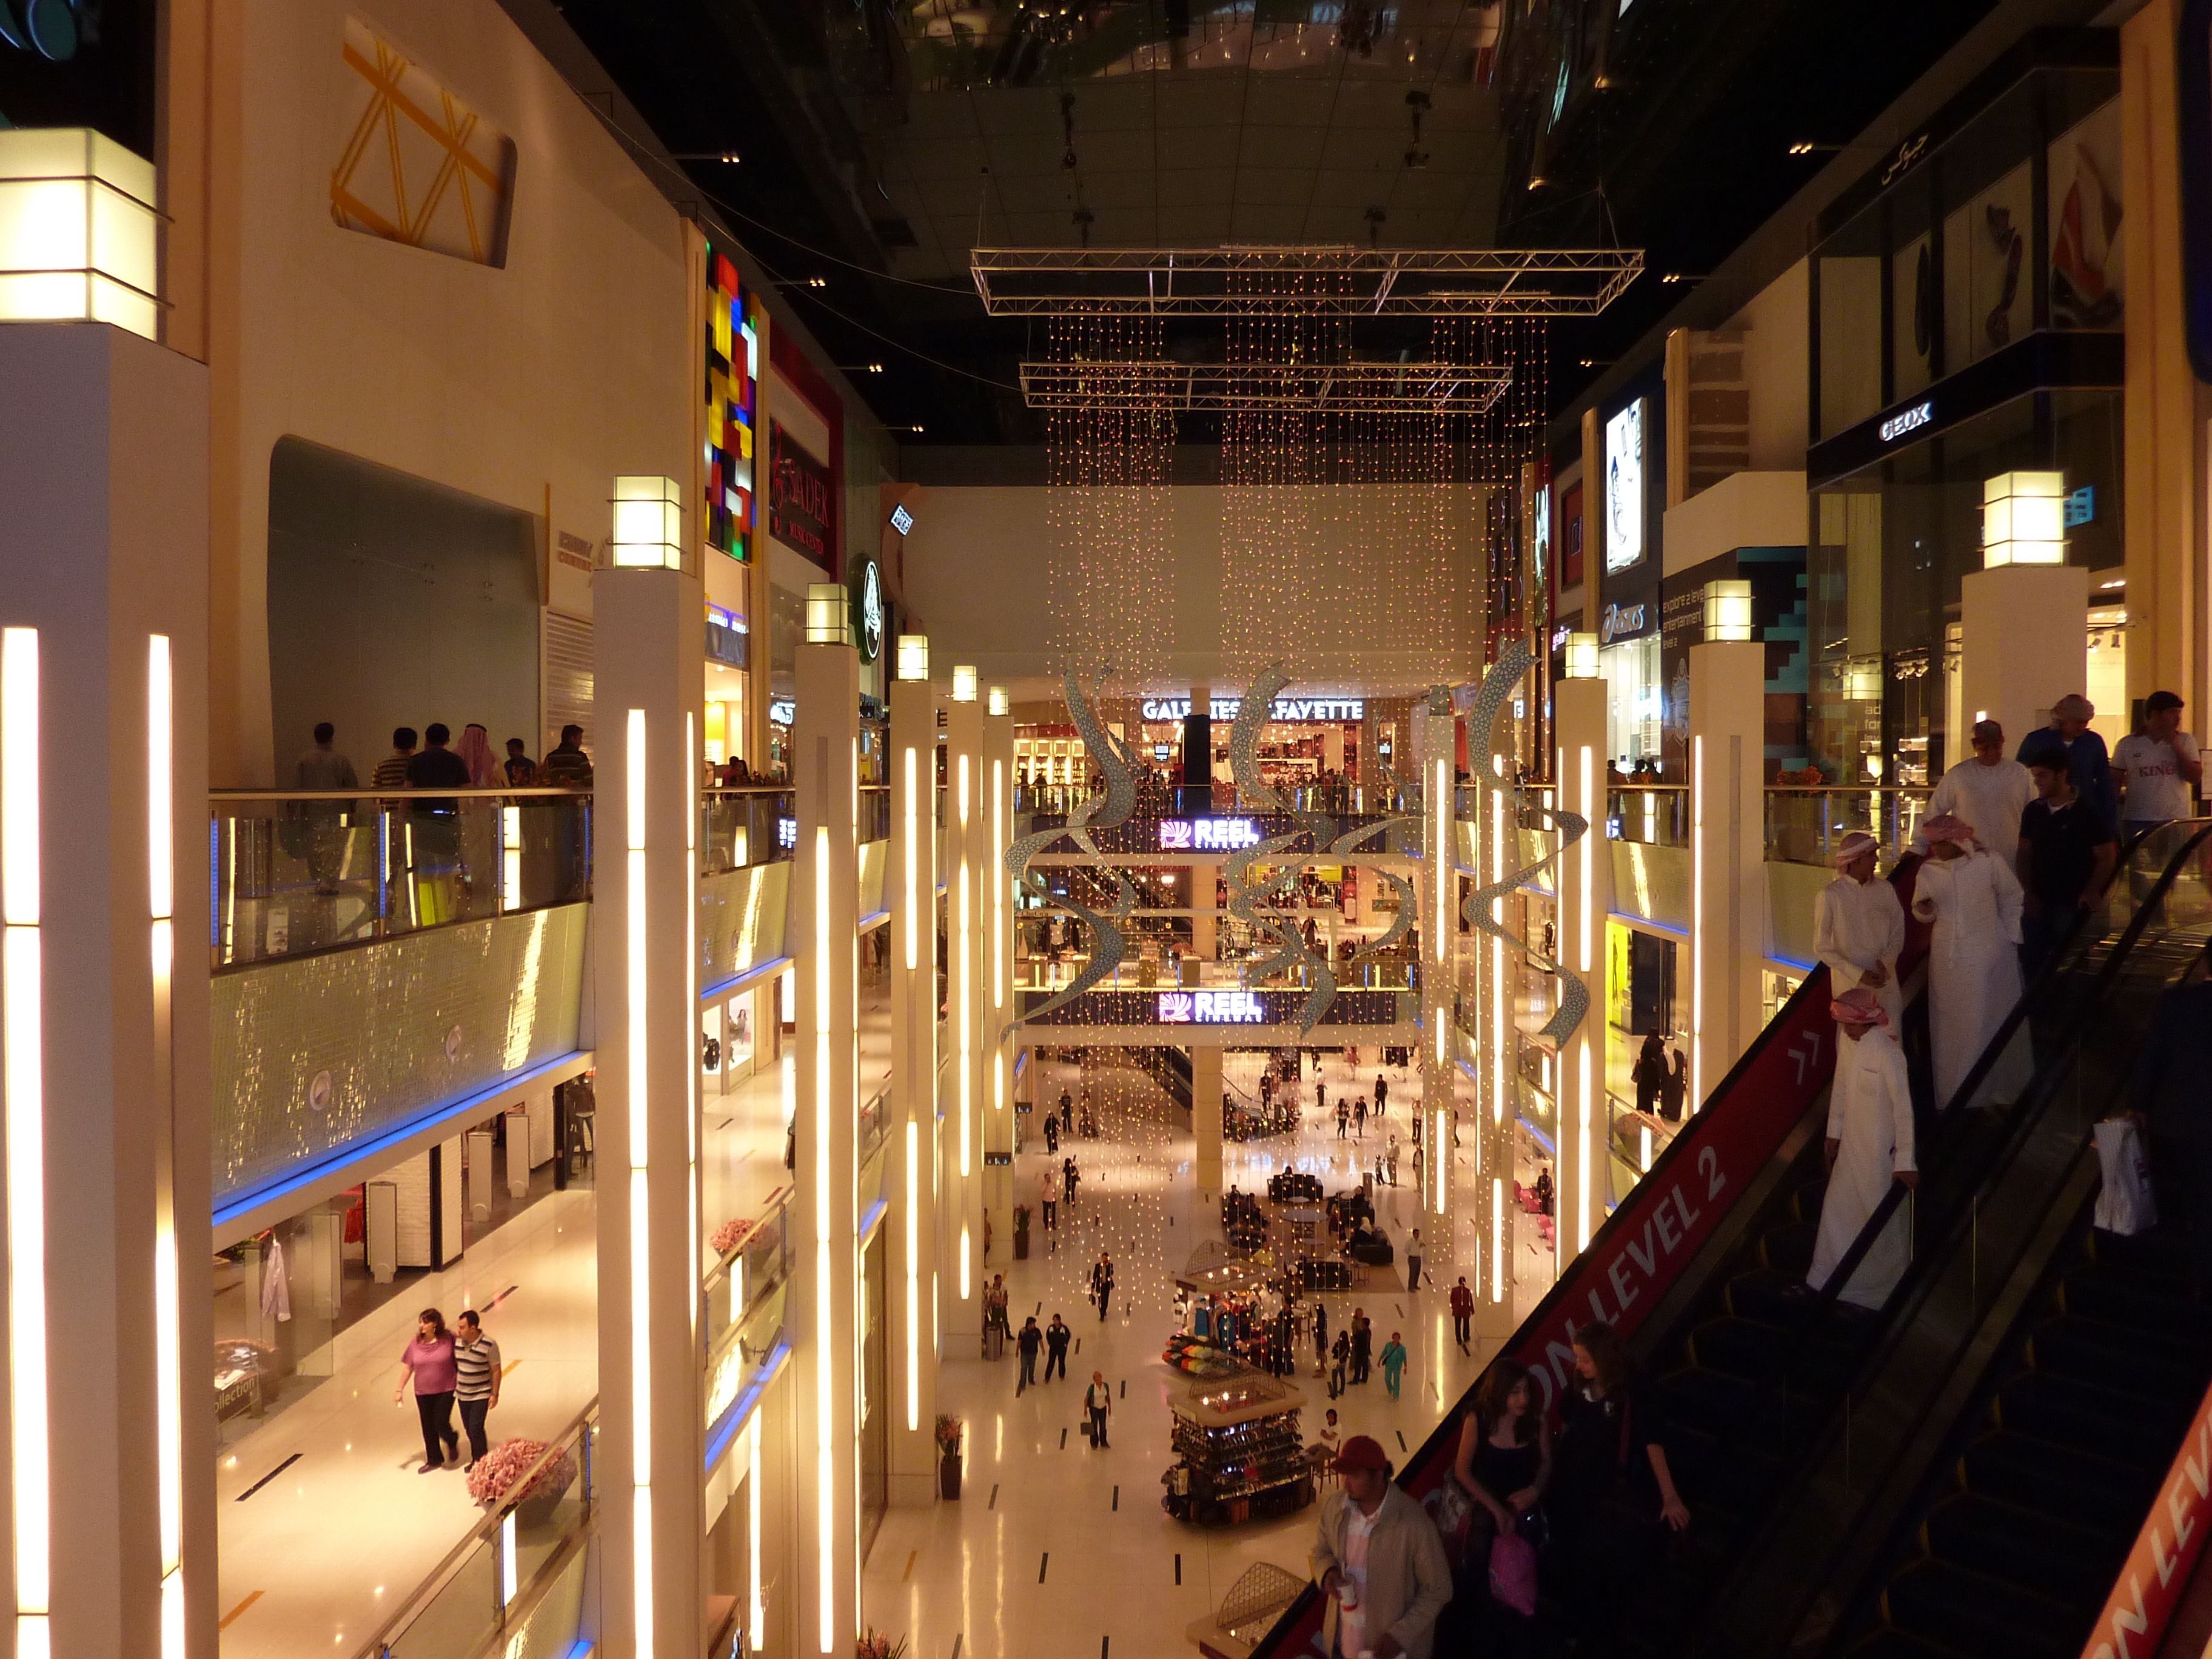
x=826 y=609
x=77 y=230
x=1728 y=610
x=914 y=656
x=2024 y=519
x=648 y=524
x=1581 y=656
x=963 y=683
x=999 y=702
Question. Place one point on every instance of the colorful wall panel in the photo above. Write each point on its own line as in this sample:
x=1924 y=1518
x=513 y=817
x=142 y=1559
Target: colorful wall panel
x=732 y=397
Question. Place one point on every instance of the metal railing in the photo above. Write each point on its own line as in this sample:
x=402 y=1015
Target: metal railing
x=738 y=828
x=293 y=871
x=529 y=1535
x=1805 y=825
x=743 y=1299
x=1657 y=814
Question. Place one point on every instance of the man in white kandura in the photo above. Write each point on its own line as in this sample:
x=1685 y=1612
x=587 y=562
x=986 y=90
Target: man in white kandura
x=1989 y=792
x=1858 y=926
x=1974 y=959
x=1869 y=1146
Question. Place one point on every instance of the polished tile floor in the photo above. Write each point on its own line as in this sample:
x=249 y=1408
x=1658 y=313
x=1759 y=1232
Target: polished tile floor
x=1058 y=1549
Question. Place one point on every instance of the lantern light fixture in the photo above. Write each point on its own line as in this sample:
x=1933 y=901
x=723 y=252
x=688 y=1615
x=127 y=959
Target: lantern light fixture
x=1728 y=609
x=963 y=683
x=648 y=524
x=2024 y=519
x=825 y=614
x=1582 y=657
x=914 y=656
x=78 y=230
x=999 y=702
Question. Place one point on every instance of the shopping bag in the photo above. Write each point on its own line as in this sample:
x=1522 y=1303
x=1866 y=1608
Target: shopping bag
x=1513 y=1572
x=2125 y=1204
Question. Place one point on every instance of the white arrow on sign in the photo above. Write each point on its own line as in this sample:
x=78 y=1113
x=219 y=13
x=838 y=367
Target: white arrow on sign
x=1806 y=1051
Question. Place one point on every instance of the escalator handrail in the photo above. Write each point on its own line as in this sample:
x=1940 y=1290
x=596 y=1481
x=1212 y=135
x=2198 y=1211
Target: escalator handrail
x=1772 y=1084
x=1926 y=1263
x=1895 y=1197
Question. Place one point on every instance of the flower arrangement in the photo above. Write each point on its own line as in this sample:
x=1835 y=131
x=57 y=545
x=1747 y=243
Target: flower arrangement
x=731 y=1234
x=874 y=1644
x=948 y=1430
x=503 y=1465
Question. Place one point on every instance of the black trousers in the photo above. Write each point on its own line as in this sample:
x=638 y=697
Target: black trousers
x=1412 y=1272
x=1097 y=1425
x=472 y=1421
x=1055 y=1357
x=439 y=1440
x=1460 y=1323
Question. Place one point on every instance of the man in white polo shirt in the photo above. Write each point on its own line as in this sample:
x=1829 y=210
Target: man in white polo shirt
x=2157 y=767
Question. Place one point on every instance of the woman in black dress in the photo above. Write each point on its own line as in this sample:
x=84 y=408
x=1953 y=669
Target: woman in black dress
x=1505 y=1464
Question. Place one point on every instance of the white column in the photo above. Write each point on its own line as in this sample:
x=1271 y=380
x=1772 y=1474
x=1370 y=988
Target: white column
x=1728 y=854
x=1584 y=878
x=997 y=892
x=109 y=1453
x=1439 y=932
x=910 y=886
x=649 y=626
x=1205 y=1119
x=2024 y=643
x=967 y=995
x=825 y=1277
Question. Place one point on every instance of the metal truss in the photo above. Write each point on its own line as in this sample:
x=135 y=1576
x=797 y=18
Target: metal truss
x=1302 y=282
x=1422 y=388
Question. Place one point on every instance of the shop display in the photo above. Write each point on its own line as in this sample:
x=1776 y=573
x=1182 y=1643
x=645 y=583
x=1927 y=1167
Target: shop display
x=1240 y=1454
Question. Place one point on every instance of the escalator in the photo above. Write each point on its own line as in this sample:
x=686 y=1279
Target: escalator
x=1963 y=1473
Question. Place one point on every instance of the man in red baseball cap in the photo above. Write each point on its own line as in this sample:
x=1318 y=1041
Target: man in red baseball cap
x=1379 y=1561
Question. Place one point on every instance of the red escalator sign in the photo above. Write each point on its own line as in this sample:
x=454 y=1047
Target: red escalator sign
x=2160 y=1567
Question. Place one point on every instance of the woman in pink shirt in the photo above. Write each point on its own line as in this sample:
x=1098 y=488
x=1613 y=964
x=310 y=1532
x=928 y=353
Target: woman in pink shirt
x=429 y=1360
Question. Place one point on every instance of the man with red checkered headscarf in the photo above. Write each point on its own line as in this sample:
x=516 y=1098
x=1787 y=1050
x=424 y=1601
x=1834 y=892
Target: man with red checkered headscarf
x=1869 y=1147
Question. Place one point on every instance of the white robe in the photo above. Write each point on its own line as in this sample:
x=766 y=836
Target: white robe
x=1991 y=798
x=1973 y=970
x=1870 y=1114
x=1855 y=926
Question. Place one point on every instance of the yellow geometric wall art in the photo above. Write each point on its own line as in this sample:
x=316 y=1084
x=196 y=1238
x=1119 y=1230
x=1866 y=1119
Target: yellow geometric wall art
x=419 y=166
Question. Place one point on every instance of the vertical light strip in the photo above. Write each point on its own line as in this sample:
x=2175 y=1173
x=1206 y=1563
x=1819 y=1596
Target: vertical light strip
x=1589 y=806
x=21 y=1017
x=913 y=1275
x=1497 y=1238
x=911 y=857
x=825 y=1368
x=691 y=997
x=1584 y=1176
x=168 y=1364
x=966 y=930
x=1696 y=921
x=640 y=1193
x=510 y=862
x=756 y=1631
x=997 y=843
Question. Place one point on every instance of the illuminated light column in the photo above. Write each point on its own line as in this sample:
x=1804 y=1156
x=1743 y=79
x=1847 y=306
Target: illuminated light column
x=1728 y=868
x=1584 y=884
x=996 y=893
x=1433 y=747
x=967 y=1001
x=826 y=1210
x=910 y=887
x=649 y=623
x=1205 y=1118
x=104 y=1092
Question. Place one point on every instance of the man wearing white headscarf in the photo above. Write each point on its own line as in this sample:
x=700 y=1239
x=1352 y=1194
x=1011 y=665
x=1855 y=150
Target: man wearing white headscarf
x=1973 y=958
x=1858 y=926
x=1869 y=1146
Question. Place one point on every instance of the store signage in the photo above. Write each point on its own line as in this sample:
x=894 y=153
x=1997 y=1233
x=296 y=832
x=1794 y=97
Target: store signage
x=1911 y=420
x=2082 y=506
x=782 y=711
x=575 y=551
x=901 y=520
x=1207 y=834
x=868 y=611
x=1212 y=1008
x=799 y=509
x=1623 y=488
x=1619 y=621
x=787 y=833
x=1285 y=711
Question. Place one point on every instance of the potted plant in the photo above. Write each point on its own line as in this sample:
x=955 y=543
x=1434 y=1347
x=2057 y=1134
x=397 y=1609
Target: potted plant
x=874 y=1644
x=949 y=1430
x=1021 y=1232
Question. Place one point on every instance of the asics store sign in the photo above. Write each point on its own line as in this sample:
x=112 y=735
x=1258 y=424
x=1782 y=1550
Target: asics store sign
x=1212 y=1008
x=1286 y=711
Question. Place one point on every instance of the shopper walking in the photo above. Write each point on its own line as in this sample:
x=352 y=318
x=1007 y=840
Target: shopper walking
x=322 y=768
x=2067 y=853
x=475 y=751
x=1462 y=1309
x=1049 y=1196
x=1859 y=925
x=1359 y=1118
x=1101 y=1283
x=1052 y=1134
x=1989 y=791
x=1381 y=1094
x=1098 y=1404
x=428 y=1362
x=1974 y=959
x=1378 y=1559
x=1363 y=1345
x=521 y=770
x=1026 y=1345
x=1650 y=1072
x=1413 y=1244
x=1394 y=1363
x=1068 y=1178
x=1869 y=1146
x=392 y=771
x=475 y=1378
x=566 y=766
x=2070 y=742
x=1390 y=1161
x=2159 y=767
x=1321 y=1335
x=1503 y=1465
x=1671 y=1093
x=1340 y=1362
x=1343 y=1119
x=1057 y=1339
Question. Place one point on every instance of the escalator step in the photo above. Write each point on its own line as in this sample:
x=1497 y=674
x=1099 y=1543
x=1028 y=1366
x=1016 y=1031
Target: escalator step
x=1963 y=1610
x=2060 y=1482
x=2161 y=1255
x=2050 y=1556
x=1789 y=1248
x=1890 y=1642
x=2071 y=1412
x=1747 y=1348
x=2171 y=1363
x=2120 y=1295
x=1772 y=1295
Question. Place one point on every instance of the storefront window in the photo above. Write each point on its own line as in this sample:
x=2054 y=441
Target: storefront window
x=1635 y=702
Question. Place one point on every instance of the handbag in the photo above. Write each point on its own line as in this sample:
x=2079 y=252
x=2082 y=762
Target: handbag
x=1453 y=1512
x=1513 y=1572
x=2125 y=1204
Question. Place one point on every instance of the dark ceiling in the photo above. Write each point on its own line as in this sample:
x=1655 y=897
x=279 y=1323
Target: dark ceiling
x=876 y=141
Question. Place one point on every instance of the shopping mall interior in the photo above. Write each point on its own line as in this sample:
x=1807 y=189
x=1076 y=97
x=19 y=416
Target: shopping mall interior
x=1445 y=743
